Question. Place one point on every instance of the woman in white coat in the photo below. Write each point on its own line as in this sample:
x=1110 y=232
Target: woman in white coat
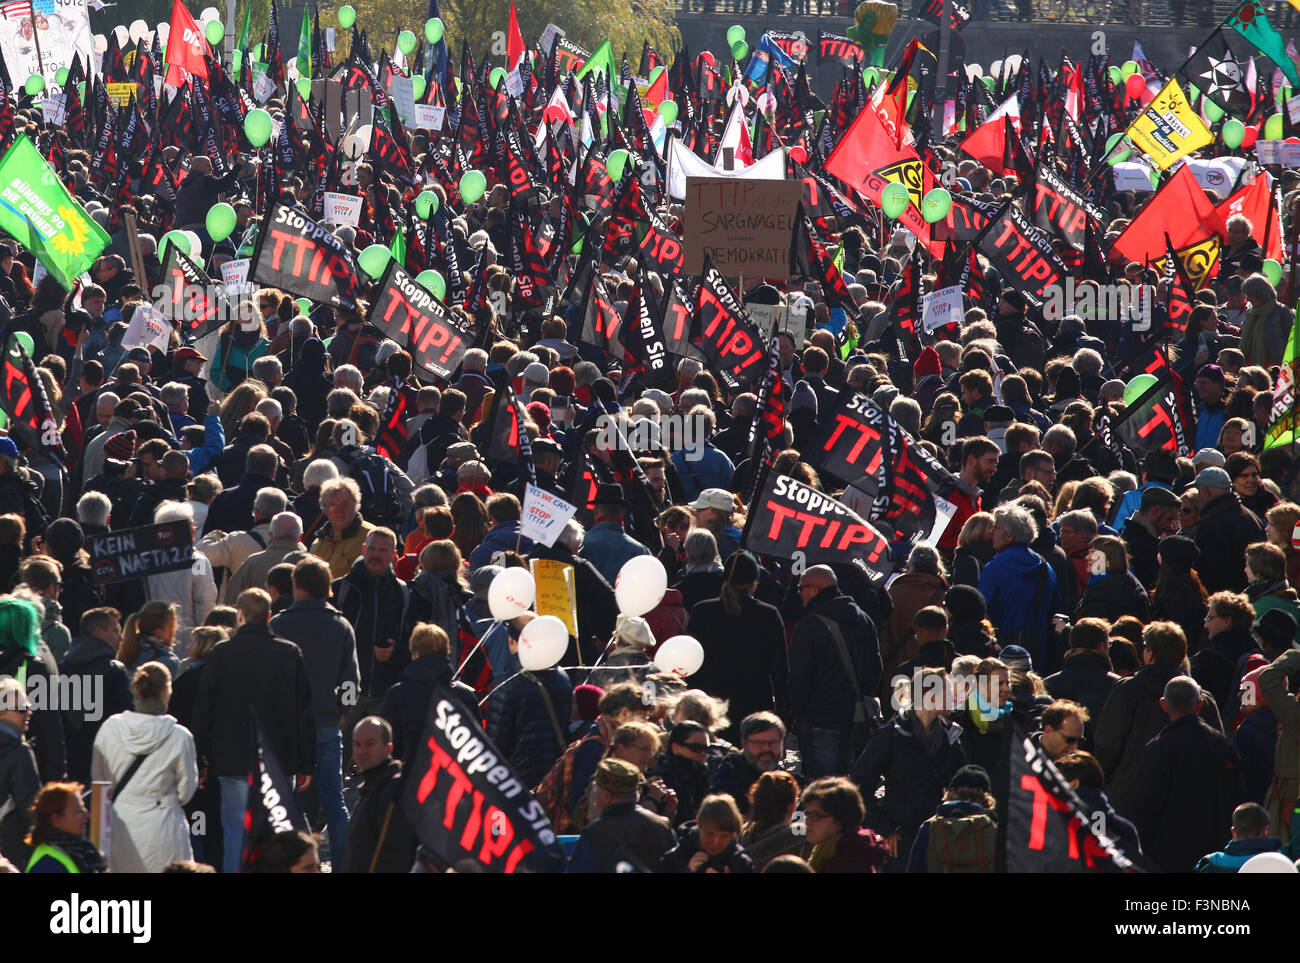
x=149 y=829
x=193 y=589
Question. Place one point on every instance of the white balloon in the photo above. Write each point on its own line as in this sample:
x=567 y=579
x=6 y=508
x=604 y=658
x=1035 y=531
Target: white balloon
x=681 y=655
x=543 y=641
x=101 y=43
x=737 y=92
x=511 y=593
x=196 y=243
x=640 y=585
x=122 y=34
x=137 y=30
x=164 y=31
x=209 y=13
x=974 y=70
x=995 y=70
x=1268 y=863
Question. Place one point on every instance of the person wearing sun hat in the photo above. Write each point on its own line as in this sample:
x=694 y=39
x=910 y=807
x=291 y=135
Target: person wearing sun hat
x=624 y=834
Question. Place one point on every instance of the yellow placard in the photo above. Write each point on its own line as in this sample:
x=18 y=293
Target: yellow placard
x=556 y=594
x=1169 y=127
x=121 y=94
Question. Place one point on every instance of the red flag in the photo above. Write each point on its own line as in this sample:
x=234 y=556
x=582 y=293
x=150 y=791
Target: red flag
x=186 y=47
x=1255 y=202
x=1184 y=212
x=515 y=48
x=987 y=144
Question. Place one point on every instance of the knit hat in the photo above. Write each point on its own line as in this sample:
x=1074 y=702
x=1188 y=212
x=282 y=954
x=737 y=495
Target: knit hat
x=1275 y=628
x=1179 y=552
x=1016 y=657
x=8 y=448
x=634 y=630
x=927 y=363
x=121 y=446
x=803 y=397
x=971 y=777
x=965 y=604
x=742 y=568
x=64 y=538
x=540 y=412
x=1211 y=371
x=587 y=699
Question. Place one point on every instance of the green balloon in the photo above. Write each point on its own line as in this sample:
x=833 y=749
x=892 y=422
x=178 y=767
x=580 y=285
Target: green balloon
x=1273 y=128
x=304 y=87
x=616 y=164
x=237 y=59
x=172 y=237
x=1133 y=390
x=1233 y=131
x=852 y=32
x=497 y=77
x=1129 y=69
x=374 y=260
x=989 y=82
x=418 y=86
x=472 y=186
x=257 y=127
x=426 y=203
x=406 y=42
x=668 y=111
x=1115 y=156
x=215 y=31
x=935 y=205
x=1213 y=112
x=35 y=84
x=434 y=281
x=735 y=34
x=1273 y=271
x=347 y=17
x=304 y=306
x=259 y=53
x=740 y=50
x=61 y=76
x=870 y=76
x=894 y=200
x=656 y=74
x=221 y=221
x=433 y=30
x=1116 y=77
x=26 y=340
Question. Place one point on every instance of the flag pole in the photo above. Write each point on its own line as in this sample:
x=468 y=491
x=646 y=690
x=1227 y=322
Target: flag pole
x=36 y=39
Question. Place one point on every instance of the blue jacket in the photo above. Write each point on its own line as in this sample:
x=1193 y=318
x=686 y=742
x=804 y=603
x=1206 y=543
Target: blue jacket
x=1209 y=424
x=712 y=469
x=504 y=537
x=520 y=725
x=1132 y=501
x=1009 y=584
x=1233 y=856
x=214 y=443
x=607 y=547
x=228 y=354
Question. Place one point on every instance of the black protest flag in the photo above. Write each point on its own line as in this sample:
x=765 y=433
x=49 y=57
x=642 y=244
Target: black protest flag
x=788 y=517
x=1024 y=258
x=297 y=255
x=731 y=342
x=678 y=317
x=410 y=315
x=908 y=306
x=643 y=338
x=809 y=258
x=390 y=440
x=1178 y=297
x=768 y=426
x=188 y=296
x=1216 y=73
x=1154 y=421
x=466 y=805
x=838 y=49
x=660 y=249
x=506 y=437
x=851 y=446
x=272 y=805
x=1061 y=211
x=25 y=404
x=600 y=322
x=1048 y=828
x=532 y=275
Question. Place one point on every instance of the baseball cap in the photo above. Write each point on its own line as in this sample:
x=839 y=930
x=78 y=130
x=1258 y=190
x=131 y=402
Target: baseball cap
x=617 y=776
x=1209 y=458
x=186 y=353
x=8 y=448
x=719 y=499
x=1213 y=477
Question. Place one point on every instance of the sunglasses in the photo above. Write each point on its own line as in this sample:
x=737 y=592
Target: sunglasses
x=696 y=746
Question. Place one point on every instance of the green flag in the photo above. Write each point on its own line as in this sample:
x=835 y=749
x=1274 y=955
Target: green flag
x=602 y=58
x=42 y=216
x=398 y=247
x=304 y=46
x=1282 y=416
x=1249 y=21
x=242 y=42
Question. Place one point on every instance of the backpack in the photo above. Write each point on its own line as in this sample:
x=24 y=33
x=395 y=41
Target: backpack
x=380 y=503
x=556 y=787
x=962 y=844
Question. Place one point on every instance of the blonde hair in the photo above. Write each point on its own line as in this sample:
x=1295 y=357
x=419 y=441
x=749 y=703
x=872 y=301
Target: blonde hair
x=978 y=528
x=721 y=812
x=204 y=638
x=696 y=705
x=429 y=639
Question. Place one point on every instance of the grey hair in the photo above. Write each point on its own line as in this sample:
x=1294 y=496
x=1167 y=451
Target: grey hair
x=271 y=408
x=475 y=359
x=746 y=403
x=350 y=375
x=318 y=473
x=174 y=512
x=1087 y=362
x=429 y=496
x=572 y=535
x=692 y=397
x=108 y=399
x=1016 y=522
x=693 y=365
x=1239 y=220
x=286 y=525
x=93 y=508
x=1182 y=694
x=267 y=368
x=1257 y=288
x=705 y=414
x=386 y=350
x=907 y=412
x=700 y=547
x=1081 y=520
x=518 y=362
x=1062 y=437
x=269 y=502
x=926 y=558
x=175 y=393
x=339 y=401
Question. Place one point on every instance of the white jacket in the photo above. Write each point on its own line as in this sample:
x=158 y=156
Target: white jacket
x=194 y=592
x=149 y=829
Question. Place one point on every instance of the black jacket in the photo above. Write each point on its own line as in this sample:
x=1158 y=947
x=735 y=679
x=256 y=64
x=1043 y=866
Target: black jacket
x=1130 y=719
x=1184 y=794
x=678 y=859
x=379 y=834
x=407 y=703
x=153 y=495
x=820 y=692
x=232 y=510
x=92 y=659
x=19 y=784
x=329 y=651
x=745 y=657
x=623 y=833
x=258 y=670
x=734 y=777
x=1085 y=678
x=597 y=607
x=1143 y=551
x=1225 y=529
x=1215 y=666
x=231 y=462
x=45 y=726
x=376 y=606
x=915 y=766
x=524 y=729
x=1110 y=596
x=687 y=778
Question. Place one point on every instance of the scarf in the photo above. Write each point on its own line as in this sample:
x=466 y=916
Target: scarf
x=823 y=853
x=984 y=715
x=80 y=850
x=1254 y=340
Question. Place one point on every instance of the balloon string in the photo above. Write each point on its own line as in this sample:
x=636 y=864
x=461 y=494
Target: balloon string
x=477 y=645
x=483 y=701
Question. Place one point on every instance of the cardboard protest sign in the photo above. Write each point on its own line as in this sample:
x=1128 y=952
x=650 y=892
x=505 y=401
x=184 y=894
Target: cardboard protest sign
x=743 y=225
x=556 y=592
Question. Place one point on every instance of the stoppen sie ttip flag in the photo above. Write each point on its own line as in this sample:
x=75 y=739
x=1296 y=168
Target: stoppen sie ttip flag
x=731 y=342
x=788 y=517
x=43 y=217
x=466 y=804
x=297 y=255
x=409 y=314
x=1169 y=127
x=272 y=803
